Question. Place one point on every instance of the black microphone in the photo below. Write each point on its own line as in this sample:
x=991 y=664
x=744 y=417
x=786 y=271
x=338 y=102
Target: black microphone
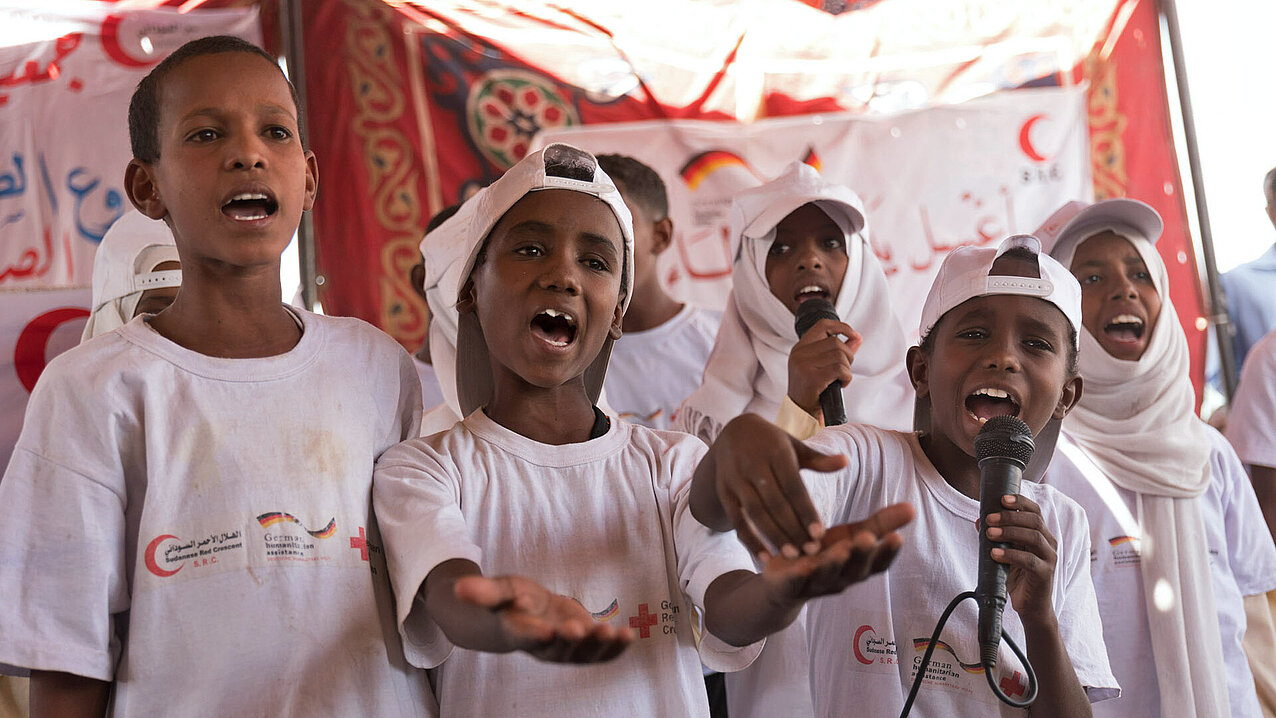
x=1003 y=448
x=808 y=313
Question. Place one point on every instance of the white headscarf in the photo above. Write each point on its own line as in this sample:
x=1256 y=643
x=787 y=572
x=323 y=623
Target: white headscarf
x=458 y=349
x=1136 y=421
x=124 y=267
x=748 y=368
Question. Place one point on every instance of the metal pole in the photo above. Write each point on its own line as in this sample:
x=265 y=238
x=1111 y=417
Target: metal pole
x=294 y=52
x=1218 y=300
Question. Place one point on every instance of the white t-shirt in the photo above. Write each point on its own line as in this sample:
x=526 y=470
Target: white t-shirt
x=431 y=394
x=1242 y=562
x=605 y=521
x=200 y=529
x=865 y=641
x=652 y=371
x=1251 y=426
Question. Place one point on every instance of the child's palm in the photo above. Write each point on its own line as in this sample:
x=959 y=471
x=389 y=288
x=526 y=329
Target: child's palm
x=849 y=553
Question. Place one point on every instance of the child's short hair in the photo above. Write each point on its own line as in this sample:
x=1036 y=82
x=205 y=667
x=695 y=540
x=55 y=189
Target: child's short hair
x=642 y=184
x=144 y=107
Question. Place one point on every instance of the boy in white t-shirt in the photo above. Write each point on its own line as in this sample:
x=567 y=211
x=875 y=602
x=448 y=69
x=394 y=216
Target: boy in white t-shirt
x=998 y=337
x=1170 y=507
x=538 y=528
x=186 y=524
x=660 y=358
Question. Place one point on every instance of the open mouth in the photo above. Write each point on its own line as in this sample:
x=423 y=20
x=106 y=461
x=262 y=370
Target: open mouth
x=554 y=327
x=810 y=291
x=250 y=206
x=1125 y=328
x=985 y=403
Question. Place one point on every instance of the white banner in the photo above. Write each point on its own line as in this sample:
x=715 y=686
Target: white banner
x=64 y=142
x=931 y=180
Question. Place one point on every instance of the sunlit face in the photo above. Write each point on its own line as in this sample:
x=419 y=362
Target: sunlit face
x=232 y=178
x=807 y=259
x=1119 y=301
x=547 y=289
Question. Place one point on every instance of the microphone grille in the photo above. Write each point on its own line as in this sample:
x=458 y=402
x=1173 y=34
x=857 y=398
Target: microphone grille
x=811 y=311
x=1005 y=437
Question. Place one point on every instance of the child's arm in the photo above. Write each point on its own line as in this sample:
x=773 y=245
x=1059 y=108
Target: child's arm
x=820 y=358
x=66 y=695
x=749 y=481
x=1030 y=582
x=513 y=613
x=742 y=607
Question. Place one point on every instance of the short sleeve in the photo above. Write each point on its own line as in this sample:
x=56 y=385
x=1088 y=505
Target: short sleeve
x=61 y=568
x=1251 y=426
x=1251 y=554
x=703 y=555
x=415 y=498
x=1076 y=605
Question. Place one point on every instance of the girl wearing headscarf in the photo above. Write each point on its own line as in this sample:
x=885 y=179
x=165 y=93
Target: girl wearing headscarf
x=758 y=364
x=751 y=367
x=1177 y=533
x=135 y=271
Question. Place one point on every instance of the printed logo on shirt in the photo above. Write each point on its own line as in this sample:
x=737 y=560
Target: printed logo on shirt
x=1125 y=550
x=166 y=555
x=606 y=614
x=646 y=623
x=283 y=544
x=869 y=648
x=948 y=670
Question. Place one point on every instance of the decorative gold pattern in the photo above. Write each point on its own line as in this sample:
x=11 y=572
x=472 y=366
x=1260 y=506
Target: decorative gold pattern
x=1107 y=149
x=393 y=171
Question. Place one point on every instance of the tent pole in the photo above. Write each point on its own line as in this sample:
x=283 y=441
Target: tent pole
x=1218 y=300
x=294 y=52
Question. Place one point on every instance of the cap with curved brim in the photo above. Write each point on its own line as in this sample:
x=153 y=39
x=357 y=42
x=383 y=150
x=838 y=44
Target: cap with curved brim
x=1077 y=221
x=124 y=267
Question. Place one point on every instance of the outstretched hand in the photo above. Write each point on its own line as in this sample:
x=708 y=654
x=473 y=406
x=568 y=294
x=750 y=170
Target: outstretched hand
x=753 y=468
x=849 y=553
x=546 y=625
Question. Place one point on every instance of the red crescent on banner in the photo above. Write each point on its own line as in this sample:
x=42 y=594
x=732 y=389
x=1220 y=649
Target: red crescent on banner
x=1025 y=139
x=111 y=44
x=28 y=353
x=154 y=567
x=855 y=645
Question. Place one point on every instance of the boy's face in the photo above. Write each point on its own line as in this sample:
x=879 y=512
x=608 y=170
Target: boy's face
x=547 y=286
x=232 y=178
x=807 y=259
x=995 y=355
x=1119 y=301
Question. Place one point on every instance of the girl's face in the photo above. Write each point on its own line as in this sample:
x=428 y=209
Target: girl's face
x=807 y=259
x=1119 y=301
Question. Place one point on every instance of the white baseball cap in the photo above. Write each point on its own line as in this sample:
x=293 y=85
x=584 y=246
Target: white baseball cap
x=124 y=267
x=1077 y=221
x=756 y=211
x=964 y=275
x=451 y=250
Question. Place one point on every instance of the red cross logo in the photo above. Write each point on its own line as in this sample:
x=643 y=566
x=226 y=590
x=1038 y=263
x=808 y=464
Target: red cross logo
x=360 y=542
x=643 y=621
x=1012 y=686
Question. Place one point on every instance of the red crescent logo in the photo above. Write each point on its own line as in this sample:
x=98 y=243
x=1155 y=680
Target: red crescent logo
x=154 y=567
x=33 y=342
x=855 y=645
x=111 y=44
x=1025 y=139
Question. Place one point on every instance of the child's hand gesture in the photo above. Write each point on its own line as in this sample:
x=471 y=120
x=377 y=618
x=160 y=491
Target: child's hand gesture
x=1031 y=556
x=849 y=553
x=749 y=482
x=820 y=358
x=547 y=625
